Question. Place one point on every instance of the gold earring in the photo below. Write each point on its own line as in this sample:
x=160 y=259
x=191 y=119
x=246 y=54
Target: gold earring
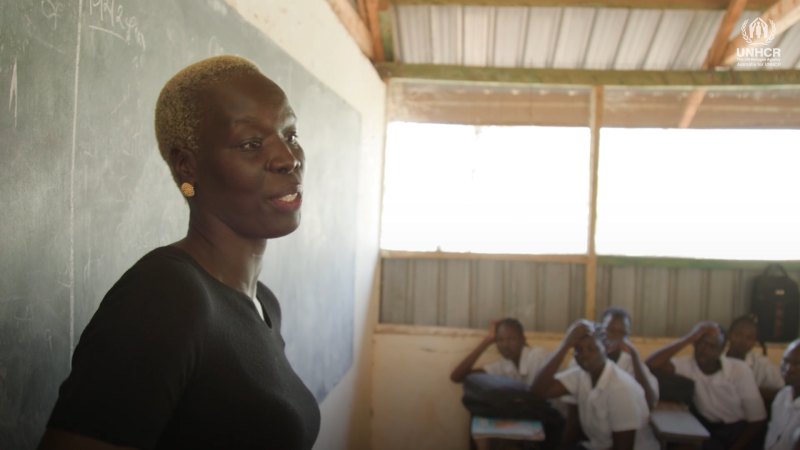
x=187 y=190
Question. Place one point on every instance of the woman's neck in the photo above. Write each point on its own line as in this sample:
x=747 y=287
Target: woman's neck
x=232 y=260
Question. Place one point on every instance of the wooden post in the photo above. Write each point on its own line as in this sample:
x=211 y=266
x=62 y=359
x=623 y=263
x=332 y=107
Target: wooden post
x=595 y=122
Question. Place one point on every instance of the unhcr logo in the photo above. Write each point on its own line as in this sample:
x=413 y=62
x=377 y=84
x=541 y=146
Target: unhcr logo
x=758 y=34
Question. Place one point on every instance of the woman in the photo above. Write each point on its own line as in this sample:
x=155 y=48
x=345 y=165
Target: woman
x=519 y=361
x=185 y=350
x=726 y=396
x=742 y=339
x=783 y=432
x=611 y=406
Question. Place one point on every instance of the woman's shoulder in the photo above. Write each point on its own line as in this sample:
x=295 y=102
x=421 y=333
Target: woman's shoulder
x=164 y=276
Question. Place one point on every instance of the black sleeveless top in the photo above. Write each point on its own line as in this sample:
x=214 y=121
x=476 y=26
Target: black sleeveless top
x=174 y=359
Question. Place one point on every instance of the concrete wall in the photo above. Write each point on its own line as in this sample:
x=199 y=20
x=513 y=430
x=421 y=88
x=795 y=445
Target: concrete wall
x=415 y=406
x=310 y=32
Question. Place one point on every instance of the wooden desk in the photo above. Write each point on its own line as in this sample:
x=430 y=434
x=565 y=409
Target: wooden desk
x=674 y=423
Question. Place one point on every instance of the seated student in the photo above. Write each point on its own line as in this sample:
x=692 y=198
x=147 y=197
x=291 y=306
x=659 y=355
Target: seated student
x=611 y=405
x=615 y=326
x=785 y=419
x=519 y=361
x=742 y=338
x=726 y=396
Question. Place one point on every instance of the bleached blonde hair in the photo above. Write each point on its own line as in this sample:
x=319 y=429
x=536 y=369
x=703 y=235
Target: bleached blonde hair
x=178 y=113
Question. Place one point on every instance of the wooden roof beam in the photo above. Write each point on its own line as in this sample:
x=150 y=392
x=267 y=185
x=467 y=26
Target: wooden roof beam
x=579 y=77
x=785 y=13
x=374 y=25
x=354 y=25
x=639 y=4
x=713 y=57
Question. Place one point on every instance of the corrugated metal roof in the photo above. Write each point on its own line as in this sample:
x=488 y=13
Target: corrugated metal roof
x=565 y=38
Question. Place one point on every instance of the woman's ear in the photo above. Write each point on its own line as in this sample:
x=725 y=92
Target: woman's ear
x=184 y=164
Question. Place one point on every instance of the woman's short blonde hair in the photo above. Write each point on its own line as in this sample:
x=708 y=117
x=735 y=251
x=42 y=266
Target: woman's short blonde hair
x=177 y=110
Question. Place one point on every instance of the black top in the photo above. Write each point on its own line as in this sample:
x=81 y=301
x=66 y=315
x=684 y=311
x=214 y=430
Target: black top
x=173 y=358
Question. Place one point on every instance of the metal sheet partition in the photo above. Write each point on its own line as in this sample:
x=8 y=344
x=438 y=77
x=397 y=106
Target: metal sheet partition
x=547 y=297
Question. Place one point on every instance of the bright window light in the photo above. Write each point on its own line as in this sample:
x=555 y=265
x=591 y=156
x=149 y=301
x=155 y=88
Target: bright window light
x=727 y=194
x=459 y=188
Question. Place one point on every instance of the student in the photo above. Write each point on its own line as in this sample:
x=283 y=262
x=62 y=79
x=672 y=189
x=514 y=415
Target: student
x=185 y=350
x=615 y=326
x=726 y=396
x=742 y=339
x=611 y=405
x=519 y=361
x=784 y=426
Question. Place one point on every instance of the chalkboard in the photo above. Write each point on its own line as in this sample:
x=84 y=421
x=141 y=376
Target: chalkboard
x=85 y=193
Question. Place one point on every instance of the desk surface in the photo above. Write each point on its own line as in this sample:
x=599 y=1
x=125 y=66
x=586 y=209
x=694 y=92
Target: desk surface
x=677 y=424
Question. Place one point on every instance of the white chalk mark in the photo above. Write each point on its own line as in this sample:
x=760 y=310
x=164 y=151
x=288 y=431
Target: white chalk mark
x=72 y=185
x=12 y=92
x=106 y=30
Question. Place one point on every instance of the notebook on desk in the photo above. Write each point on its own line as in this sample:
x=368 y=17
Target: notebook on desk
x=519 y=429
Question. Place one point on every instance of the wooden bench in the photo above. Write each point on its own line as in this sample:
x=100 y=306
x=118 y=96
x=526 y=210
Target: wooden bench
x=673 y=423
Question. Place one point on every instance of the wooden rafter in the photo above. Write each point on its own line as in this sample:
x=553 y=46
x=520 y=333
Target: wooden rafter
x=568 y=77
x=641 y=4
x=785 y=13
x=374 y=25
x=713 y=58
x=351 y=20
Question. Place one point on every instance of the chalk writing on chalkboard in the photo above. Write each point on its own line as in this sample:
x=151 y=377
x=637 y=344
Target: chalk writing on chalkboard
x=12 y=93
x=51 y=10
x=114 y=21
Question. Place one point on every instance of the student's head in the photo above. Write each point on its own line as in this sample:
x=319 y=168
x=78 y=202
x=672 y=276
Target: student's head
x=790 y=365
x=708 y=349
x=590 y=352
x=509 y=338
x=615 y=325
x=742 y=336
x=228 y=133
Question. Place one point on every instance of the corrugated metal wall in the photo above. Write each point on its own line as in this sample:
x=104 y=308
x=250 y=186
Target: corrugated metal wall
x=663 y=301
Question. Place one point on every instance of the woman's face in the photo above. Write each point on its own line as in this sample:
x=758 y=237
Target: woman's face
x=790 y=366
x=615 y=329
x=250 y=164
x=509 y=342
x=742 y=339
x=590 y=354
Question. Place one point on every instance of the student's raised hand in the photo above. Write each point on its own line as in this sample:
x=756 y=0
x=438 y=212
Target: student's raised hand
x=703 y=328
x=626 y=345
x=490 y=336
x=577 y=331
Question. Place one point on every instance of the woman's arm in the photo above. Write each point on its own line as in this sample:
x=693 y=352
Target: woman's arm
x=639 y=372
x=464 y=368
x=545 y=385
x=623 y=440
x=64 y=440
x=659 y=361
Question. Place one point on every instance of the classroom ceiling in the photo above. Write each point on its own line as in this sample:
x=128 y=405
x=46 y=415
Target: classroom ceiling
x=649 y=45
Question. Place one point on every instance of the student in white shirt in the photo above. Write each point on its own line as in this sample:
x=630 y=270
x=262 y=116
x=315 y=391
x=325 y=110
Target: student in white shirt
x=611 y=405
x=742 y=339
x=726 y=396
x=615 y=324
x=519 y=361
x=785 y=420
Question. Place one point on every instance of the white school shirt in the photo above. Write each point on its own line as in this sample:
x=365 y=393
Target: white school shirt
x=615 y=403
x=784 y=422
x=624 y=362
x=531 y=361
x=728 y=395
x=767 y=374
